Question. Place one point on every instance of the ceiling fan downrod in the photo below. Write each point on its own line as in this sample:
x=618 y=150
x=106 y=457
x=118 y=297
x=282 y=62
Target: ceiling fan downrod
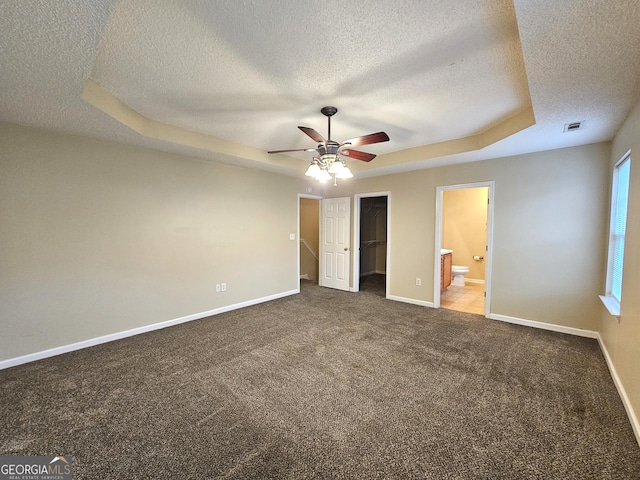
x=329 y=112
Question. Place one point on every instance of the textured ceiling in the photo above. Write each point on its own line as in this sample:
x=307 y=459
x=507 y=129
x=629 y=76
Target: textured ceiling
x=449 y=82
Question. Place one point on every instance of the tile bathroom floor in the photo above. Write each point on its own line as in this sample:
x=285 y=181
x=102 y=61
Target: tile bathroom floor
x=469 y=298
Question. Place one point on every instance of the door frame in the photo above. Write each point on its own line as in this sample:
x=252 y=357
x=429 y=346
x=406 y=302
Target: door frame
x=438 y=240
x=313 y=197
x=356 y=239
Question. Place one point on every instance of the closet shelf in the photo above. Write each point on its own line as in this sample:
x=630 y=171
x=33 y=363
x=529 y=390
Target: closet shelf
x=374 y=208
x=372 y=243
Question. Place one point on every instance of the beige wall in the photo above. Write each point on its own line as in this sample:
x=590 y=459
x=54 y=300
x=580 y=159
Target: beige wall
x=622 y=339
x=98 y=237
x=464 y=227
x=550 y=211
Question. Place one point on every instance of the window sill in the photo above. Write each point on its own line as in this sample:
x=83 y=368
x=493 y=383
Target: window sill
x=611 y=304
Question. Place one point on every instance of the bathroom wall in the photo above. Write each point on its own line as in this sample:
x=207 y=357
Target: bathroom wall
x=464 y=228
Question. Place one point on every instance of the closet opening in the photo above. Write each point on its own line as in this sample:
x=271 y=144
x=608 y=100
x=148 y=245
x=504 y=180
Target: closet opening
x=371 y=274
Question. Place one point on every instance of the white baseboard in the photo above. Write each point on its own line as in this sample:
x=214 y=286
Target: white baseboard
x=304 y=276
x=476 y=281
x=412 y=301
x=545 y=326
x=621 y=391
x=32 y=357
x=373 y=272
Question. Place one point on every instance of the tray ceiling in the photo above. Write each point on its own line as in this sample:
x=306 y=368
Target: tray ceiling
x=227 y=81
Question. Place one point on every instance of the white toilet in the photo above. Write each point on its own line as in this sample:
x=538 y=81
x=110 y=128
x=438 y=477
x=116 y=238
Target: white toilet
x=458 y=272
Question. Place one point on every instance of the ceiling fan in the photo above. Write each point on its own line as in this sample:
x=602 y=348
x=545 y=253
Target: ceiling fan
x=328 y=160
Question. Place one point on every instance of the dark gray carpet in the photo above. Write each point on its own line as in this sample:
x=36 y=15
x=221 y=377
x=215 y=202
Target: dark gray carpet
x=326 y=384
x=374 y=284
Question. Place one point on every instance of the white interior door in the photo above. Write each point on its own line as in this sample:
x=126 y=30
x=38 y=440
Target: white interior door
x=335 y=258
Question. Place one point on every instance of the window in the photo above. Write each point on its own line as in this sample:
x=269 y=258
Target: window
x=617 y=230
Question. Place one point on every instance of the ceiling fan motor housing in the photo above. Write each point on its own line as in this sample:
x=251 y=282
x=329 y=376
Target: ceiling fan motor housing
x=330 y=148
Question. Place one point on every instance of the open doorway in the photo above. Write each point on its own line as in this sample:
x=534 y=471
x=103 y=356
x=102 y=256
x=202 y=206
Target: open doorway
x=309 y=235
x=464 y=225
x=371 y=261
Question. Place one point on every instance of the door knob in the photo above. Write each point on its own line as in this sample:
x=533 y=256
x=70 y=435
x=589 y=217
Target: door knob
x=346 y=249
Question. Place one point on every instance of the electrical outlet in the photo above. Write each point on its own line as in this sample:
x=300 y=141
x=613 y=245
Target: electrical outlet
x=418 y=282
x=224 y=287
x=217 y=288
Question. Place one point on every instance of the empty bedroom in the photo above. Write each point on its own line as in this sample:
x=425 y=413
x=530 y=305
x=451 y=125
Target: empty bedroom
x=277 y=239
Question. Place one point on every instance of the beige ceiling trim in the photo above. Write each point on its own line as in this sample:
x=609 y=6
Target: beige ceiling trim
x=105 y=101
x=524 y=119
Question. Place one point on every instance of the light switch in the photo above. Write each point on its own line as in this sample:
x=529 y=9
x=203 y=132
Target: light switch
x=292 y=236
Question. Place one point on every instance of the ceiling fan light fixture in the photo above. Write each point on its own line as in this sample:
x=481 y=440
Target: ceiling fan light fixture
x=313 y=170
x=336 y=167
x=328 y=161
x=323 y=176
x=344 y=173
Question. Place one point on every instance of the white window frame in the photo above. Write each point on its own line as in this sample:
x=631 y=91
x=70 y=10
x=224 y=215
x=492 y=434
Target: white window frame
x=613 y=296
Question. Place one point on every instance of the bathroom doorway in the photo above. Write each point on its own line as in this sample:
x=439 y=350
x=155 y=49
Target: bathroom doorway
x=464 y=226
x=371 y=259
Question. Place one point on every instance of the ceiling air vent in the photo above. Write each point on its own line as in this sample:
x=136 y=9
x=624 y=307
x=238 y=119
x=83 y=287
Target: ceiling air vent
x=571 y=127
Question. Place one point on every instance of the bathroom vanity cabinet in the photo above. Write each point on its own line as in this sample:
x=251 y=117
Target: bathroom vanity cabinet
x=446 y=264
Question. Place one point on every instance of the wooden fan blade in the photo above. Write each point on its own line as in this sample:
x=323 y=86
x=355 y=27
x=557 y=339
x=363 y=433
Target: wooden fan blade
x=367 y=139
x=313 y=134
x=294 y=150
x=358 y=155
